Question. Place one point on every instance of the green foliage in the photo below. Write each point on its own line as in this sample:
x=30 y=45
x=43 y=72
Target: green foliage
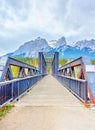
x=28 y=60
x=15 y=70
x=93 y=62
x=48 y=69
x=62 y=62
x=48 y=59
x=5 y=110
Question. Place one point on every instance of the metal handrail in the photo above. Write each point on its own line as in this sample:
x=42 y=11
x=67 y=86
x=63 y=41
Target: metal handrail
x=13 y=89
x=19 y=79
x=77 y=86
x=73 y=78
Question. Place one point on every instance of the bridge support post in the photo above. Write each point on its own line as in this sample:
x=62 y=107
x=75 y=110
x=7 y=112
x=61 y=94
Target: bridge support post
x=55 y=63
x=42 y=63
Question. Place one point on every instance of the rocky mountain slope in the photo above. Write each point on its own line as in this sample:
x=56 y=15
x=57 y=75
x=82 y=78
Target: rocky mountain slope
x=73 y=50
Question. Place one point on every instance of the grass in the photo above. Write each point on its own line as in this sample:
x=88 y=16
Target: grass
x=93 y=62
x=4 y=110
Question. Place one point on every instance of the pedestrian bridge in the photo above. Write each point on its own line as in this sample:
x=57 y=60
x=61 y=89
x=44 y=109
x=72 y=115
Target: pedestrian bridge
x=49 y=92
x=77 y=76
x=49 y=106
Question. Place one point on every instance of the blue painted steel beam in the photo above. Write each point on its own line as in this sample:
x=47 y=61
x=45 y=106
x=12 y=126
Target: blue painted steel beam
x=55 y=63
x=13 y=62
x=16 y=62
x=76 y=62
x=42 y=63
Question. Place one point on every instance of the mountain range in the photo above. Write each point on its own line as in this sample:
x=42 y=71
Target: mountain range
x=71 y=51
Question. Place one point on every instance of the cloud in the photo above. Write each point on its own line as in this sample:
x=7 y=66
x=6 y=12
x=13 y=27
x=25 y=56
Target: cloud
x=2 y=52
x=79 y=20
x=35 y=14
x=69 y=17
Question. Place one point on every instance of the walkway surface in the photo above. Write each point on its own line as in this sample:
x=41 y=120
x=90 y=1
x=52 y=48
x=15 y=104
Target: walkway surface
x=49 y=106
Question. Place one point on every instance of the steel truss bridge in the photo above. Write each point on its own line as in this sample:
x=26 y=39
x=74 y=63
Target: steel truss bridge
x=78 y=76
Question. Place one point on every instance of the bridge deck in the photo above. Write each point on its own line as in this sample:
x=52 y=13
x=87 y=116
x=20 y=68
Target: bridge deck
x=49 y=92
x=49 y=106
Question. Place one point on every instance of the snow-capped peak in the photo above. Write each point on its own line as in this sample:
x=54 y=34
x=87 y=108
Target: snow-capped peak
x=84 y=43
x=74 y=50
x=58 y=43
x=61 y=42
x=52 y=43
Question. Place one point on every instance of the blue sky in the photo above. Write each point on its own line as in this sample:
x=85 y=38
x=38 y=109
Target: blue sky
x=24 y=20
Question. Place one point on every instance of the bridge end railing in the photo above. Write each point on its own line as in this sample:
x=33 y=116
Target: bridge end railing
x=79 y=72
x=14 y=89
x=77 y=86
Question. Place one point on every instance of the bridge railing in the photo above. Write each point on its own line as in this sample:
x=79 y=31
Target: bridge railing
x=77 y=86
x=13 y=89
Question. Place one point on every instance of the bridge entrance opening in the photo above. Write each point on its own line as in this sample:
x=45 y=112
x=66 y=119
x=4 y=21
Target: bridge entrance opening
x=48 y=62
